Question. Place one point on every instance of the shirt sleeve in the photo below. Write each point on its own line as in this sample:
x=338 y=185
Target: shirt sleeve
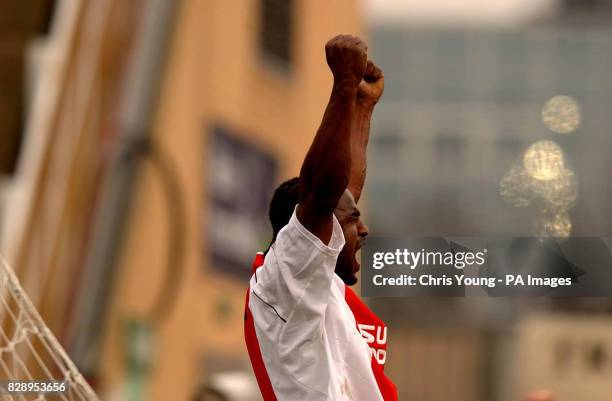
x=289 y=298
x=298 y=271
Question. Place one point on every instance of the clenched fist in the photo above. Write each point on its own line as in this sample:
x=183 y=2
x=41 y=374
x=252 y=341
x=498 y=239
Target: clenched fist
x=347 y=58
x=372 y=85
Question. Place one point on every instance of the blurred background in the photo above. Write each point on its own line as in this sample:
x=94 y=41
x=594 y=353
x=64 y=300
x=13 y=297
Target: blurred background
x=141 y=141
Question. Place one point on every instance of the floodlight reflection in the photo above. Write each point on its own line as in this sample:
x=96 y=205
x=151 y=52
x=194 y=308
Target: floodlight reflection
x=544 y=160
x=561 y=114
x=544 y=179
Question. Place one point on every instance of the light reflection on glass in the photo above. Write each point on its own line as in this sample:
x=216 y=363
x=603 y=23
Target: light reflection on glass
x=544 y=160
x=553 y=225
x=561 y=114
x=543 y=179
x=516 y=187
x=560 y=193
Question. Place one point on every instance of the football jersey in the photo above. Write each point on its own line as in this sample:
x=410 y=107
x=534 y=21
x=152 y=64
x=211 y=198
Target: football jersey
x=308 y=335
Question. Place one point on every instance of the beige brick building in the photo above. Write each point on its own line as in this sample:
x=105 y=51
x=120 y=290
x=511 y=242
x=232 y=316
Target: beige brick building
x=257 y=69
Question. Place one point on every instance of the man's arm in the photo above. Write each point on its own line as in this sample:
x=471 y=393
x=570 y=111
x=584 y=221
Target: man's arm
x=326 y=169
x=369 y=92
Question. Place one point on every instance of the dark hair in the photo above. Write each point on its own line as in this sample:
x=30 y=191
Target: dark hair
x=283 y=202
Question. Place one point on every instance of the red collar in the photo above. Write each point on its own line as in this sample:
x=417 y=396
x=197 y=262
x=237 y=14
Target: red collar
x=258 y=261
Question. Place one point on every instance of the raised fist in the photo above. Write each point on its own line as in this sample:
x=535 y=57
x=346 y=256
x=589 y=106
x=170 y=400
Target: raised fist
x=347 y=58
x=372 y=85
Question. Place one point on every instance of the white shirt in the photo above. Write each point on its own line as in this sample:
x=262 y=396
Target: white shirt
x=306 y=332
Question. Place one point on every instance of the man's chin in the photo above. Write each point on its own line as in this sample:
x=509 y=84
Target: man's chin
x=347 y=269
x=350 y=279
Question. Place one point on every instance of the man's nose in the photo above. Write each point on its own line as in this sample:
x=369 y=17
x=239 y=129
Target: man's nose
x=363 y=230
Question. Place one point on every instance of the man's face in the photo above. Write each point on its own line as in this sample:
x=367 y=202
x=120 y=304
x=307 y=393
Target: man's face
x=355 y=232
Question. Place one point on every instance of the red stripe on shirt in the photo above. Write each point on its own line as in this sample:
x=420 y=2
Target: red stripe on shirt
x=250 y=336
x=376 y=331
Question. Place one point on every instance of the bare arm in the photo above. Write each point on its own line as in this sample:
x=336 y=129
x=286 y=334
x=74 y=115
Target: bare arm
x=326 y=169
x=369 y=92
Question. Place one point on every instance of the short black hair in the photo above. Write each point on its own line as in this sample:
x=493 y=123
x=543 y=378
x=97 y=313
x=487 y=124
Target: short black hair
x=282 y=205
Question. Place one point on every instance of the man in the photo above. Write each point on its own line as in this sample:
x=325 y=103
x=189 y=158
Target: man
x=309 y=336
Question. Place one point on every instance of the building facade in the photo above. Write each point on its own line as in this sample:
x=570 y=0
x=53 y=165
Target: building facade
x=463 y=110
x=154 y=135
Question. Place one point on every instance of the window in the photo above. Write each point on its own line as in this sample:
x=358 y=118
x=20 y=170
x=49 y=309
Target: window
x=276 y=34
x=237 y=225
